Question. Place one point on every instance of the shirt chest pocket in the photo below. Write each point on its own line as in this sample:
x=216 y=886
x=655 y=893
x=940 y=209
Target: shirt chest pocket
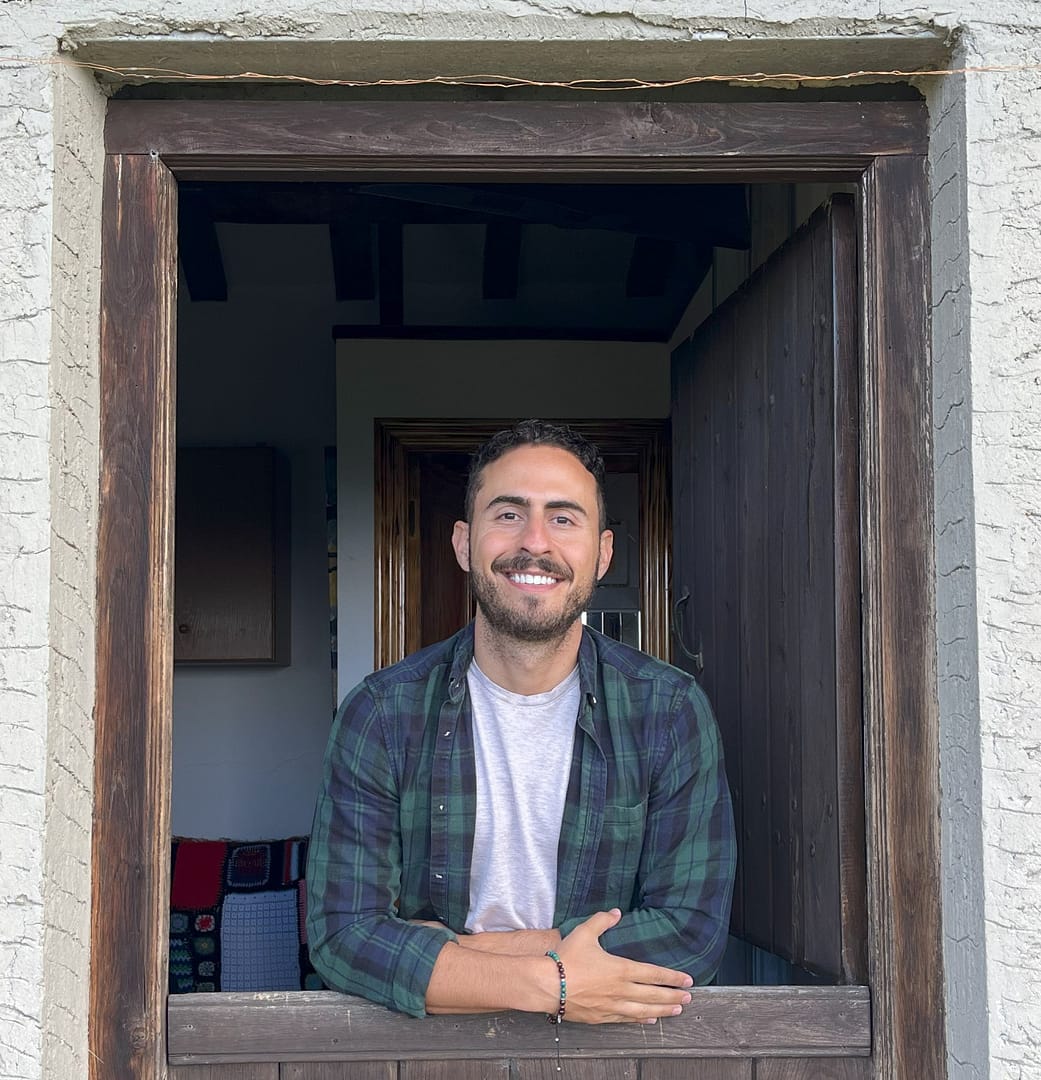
x=618 y=858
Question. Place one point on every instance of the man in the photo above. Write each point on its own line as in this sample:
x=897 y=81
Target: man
x=525 y=788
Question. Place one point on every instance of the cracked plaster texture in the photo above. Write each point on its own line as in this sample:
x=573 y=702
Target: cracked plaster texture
x=987 y=384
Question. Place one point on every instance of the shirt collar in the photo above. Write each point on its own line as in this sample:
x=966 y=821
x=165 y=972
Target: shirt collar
x=588 y=681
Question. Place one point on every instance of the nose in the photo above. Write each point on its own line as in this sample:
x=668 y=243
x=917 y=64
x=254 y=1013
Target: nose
x=535 y=538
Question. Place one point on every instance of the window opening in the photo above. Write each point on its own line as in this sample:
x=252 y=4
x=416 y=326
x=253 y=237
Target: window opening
x=415 y=282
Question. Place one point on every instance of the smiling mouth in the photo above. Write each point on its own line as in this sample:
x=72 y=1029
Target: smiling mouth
x=532 y=579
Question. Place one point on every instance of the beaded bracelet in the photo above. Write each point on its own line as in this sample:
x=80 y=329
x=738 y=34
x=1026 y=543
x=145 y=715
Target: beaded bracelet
x=558 y=1016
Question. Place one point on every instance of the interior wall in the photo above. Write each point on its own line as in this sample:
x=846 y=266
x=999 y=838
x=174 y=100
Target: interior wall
x=462 y=379
x=258 y=368
x=248 y=741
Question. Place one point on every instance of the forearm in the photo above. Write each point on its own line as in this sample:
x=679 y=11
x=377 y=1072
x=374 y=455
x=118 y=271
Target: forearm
x=472 y=980
x=380 y=958
x=512 y=942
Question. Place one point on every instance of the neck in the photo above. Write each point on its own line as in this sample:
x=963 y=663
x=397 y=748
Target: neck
x=525 y=667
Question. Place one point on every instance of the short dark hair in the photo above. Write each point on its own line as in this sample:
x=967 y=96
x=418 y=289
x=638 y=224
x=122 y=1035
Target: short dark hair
x=537 y=433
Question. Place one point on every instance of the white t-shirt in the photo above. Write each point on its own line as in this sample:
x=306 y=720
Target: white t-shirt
x=523 y=745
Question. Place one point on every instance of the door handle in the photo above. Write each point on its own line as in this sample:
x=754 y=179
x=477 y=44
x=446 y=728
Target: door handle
x=698 y=658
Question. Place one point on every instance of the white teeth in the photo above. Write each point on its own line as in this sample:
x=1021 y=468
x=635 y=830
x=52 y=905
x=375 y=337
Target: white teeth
x=532 y=579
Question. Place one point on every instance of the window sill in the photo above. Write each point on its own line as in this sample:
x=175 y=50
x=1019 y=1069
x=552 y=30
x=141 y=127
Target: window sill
x=788 y=1021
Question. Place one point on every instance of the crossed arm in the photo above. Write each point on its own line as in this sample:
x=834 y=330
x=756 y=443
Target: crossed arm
x=361 y=944
x=509 y=970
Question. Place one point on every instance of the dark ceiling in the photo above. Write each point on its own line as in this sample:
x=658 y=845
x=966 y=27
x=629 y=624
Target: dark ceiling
x=606 y=261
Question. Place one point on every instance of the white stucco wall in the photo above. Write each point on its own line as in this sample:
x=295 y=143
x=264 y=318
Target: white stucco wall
x=987 y=188
x=1004 y=193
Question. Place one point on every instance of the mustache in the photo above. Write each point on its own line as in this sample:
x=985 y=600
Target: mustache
x=524 y=564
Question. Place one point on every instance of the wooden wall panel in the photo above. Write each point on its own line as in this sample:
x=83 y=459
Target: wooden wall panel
x=758 y=386
x=849 y=650
x=251 y=1071
x=577 y=1069
x=821 y=914
x=813 y=1069
x=338 y=1070
x=755 y=840
x=697 y=1069
x=723 y=569
x=455 y=1070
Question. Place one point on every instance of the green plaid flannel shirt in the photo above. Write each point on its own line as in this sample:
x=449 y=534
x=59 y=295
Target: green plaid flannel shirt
x=647 y=823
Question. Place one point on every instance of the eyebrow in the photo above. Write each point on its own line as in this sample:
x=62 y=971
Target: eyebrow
x=553 y=504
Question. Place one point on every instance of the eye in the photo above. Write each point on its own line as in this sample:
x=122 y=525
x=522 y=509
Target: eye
x=508 y=515
x=562 y=519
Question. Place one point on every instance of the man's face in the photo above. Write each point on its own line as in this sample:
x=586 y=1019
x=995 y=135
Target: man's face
x=534 y=549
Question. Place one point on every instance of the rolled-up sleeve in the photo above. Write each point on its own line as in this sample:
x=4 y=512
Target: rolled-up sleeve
x=358 y=943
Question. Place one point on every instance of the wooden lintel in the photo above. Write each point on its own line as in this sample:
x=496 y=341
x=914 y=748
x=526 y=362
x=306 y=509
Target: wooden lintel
x=506 y=132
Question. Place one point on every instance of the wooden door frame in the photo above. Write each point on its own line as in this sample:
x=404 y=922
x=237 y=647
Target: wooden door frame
x=397 y=438
x=152 y=144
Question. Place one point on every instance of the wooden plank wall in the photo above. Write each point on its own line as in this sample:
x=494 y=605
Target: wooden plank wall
x=543 y=1069
x=761 y=541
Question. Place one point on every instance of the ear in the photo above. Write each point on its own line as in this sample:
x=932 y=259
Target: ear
x=606 y=551
x=461 y=544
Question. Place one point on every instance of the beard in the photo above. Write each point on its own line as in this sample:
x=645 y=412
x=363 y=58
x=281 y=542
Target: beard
x=525 y=620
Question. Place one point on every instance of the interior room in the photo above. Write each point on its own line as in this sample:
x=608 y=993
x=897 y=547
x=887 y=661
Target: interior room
x=320 y=322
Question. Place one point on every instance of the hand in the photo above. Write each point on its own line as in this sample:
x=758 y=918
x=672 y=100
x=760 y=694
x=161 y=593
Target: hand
x=606 y=989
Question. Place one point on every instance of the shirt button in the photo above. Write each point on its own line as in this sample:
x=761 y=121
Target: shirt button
x=440 y=877
x=447 y=733
x=441 y=806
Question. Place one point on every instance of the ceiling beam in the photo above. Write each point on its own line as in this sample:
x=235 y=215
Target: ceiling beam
x=350 y=244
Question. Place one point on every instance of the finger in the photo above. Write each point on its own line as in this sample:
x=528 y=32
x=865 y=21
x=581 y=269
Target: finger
x=602 y=921
x=633 y=1012
x=657 y=996
x=658 y=976
x=645 y=1011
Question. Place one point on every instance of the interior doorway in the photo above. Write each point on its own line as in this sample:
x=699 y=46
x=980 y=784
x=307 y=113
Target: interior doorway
x=421 y=467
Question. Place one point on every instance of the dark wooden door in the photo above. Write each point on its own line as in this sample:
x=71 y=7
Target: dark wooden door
x=438 y=592
x=767 y=586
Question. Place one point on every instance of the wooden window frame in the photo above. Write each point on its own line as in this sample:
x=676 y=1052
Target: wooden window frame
x=881 y=146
